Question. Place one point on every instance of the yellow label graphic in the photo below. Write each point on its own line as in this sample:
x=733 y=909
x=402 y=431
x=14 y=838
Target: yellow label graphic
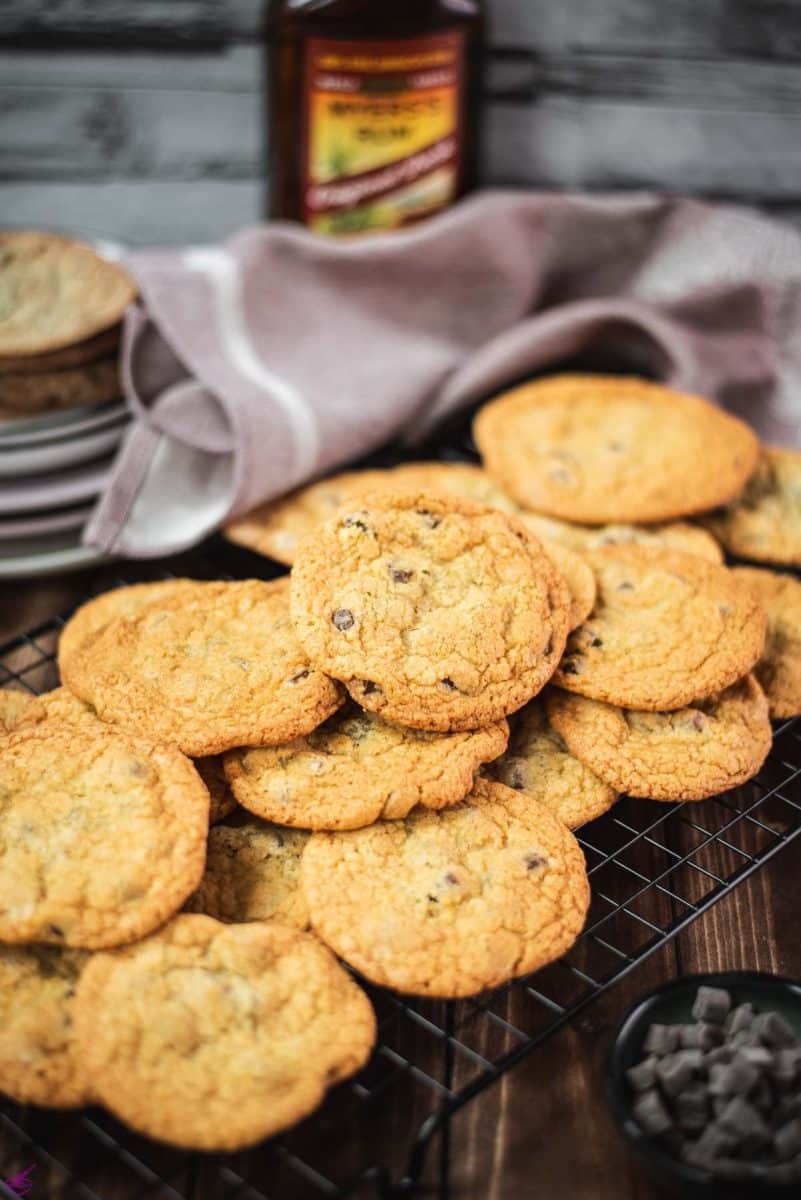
x=383 y=131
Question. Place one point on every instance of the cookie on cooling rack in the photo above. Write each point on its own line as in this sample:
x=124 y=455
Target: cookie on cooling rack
x=453 y=902
x=259 y=1020
x=689 y=754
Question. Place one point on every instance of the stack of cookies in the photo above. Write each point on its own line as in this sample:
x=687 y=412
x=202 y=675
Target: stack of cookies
x=61 y=413
x=61 y=305
x=377 y=759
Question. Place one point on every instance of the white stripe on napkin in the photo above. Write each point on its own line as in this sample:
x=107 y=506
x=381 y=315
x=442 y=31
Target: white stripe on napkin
x=222 y=272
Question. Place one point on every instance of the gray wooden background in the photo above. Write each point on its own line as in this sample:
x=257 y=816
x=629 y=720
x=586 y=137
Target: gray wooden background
x=143 y=118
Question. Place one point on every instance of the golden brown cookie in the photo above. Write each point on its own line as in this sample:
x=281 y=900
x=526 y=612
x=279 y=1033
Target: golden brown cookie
x=594 y=448
x=275 y=529
x=779 y=669
x=463 y=480
x=39 y=1063
x=539 y=764
x=253 y=874
x=356 y=769
x=73 y=387
x=675 y=535
x=60 y=707
x=579 y=578
x=222 y=801
x=102 y=345
x=208 y=668
x=433 y=612
x=764 y=522
x=212 y=1036
x=102 y=835
x=55 y=291
x=13 y=706
x=87 y=621
x=689 y=754
x=453 y=902
x=667 y=629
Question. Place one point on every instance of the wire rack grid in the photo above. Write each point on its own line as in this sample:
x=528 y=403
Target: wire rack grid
x=653 y=869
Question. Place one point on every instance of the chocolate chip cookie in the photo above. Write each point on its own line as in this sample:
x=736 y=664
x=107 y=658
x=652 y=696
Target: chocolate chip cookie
x=689 y=754
x=675 y=535
x=212 y=1036
x=763 y=523
x=39 y=1063
x=595 y=449
x=779 y=669
x=207 y=669
x=357 y=768
x=275 y=529
x=667 y=629
x=433 y=612
x=252 y=874
x=539 y=764
x=450 y=903
x=102 y=835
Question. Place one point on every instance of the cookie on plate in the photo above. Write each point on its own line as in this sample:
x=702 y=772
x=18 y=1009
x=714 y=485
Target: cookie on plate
x=258 y=1020
x=39 y=1063
x=598 y=448
x=356 y=769
x=667 y=629
x=13 y=706
x=221 y=799
x=275 y=529
x=779 y=669
x=207 y=669
x=433 y=612
x=72 y=387
x=55 y=291
x=102 y=345
x=539 y=764
x=253 y=874
x=453 y=902
x=764 y=522
x=88 y=620
x=102 y=835
x=689 y=754
x=675 y=535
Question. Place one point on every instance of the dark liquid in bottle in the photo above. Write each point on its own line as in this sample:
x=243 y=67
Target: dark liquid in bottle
x=373 y=110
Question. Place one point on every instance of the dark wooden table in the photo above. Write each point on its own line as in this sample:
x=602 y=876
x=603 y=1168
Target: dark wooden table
x=542 y=1132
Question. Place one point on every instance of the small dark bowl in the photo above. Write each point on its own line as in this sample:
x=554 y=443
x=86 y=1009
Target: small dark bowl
x=671 y=1004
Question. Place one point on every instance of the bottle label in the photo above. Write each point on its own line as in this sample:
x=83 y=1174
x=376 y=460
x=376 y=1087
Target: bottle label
x=383 y=136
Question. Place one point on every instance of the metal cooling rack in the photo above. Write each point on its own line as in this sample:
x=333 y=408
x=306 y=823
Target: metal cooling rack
x=654 y=869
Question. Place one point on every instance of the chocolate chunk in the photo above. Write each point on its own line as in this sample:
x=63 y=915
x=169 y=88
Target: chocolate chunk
x=711 y=1004
x=448 y=684
x=675 y=1071
x=786 y=1063
x=343 y=619
x=642 y=1077
x=431 y=521
x=694 y=1098
x=732 y=1079
x=739 y=1018
x=661 y=1039
x=742 y=1120
x=368 y=687
x=711 y=1146
x=782 y=1173
x=398 y=575
x=701 y=1035
x=692 y=1123
x=719 y=1054
x=300 y=675
x=596 y=641
x=651 y=1114
x=533 y=861
x=625 y=586
x=56 y=930
x=774 y=1030
x=787 y=1140
x=757 y=1056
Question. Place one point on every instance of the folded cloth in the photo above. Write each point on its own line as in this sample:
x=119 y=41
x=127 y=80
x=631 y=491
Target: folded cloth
x=253 y=366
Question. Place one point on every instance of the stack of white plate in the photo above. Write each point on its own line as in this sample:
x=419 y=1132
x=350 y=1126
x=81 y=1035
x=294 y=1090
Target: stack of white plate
x=52 y=470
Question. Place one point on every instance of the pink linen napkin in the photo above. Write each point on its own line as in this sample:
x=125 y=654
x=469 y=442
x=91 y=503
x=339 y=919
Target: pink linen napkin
x=260 y=363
